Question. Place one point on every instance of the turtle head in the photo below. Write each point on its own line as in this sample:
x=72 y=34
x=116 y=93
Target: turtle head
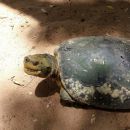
x=41 y=65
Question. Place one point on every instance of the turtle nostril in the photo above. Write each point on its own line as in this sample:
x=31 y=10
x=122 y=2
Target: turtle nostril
x=35 y=63
x=26 y=59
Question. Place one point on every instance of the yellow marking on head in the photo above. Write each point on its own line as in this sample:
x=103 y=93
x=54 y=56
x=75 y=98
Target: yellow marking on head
x=38 y=65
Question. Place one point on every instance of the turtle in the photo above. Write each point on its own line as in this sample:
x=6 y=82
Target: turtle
x=92 y=70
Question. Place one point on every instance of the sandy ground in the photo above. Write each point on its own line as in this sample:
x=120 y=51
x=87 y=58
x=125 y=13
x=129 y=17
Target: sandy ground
x=38 y=26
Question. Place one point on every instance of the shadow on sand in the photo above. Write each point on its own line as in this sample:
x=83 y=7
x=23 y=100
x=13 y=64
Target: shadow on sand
x=74 y=18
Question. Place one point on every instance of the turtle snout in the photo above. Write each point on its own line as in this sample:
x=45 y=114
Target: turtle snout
x=33 y=62
x=26 y=59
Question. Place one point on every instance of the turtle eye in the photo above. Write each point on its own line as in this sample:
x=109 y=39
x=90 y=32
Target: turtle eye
x=35 y=63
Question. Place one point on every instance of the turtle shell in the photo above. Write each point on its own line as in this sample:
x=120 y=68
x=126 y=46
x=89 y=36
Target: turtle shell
x=96 y=71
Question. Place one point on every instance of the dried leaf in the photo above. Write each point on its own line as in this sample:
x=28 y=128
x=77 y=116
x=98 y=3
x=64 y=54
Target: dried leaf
x=109 y=7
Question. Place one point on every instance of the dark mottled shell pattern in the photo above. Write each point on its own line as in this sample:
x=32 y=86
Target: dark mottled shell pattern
x=96 y=71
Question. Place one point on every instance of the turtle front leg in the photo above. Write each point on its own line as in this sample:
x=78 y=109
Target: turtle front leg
x=65 y=96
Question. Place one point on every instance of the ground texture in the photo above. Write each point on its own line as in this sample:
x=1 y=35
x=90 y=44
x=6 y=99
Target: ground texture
x=39 y=26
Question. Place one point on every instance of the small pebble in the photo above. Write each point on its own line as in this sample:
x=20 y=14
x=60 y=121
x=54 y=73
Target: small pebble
x=30 y=93
x=51 y=6
x=35 y=120
x=93 y=118
x=44 y=11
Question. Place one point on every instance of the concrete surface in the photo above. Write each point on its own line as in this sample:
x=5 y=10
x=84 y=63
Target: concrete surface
x=38 y=26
